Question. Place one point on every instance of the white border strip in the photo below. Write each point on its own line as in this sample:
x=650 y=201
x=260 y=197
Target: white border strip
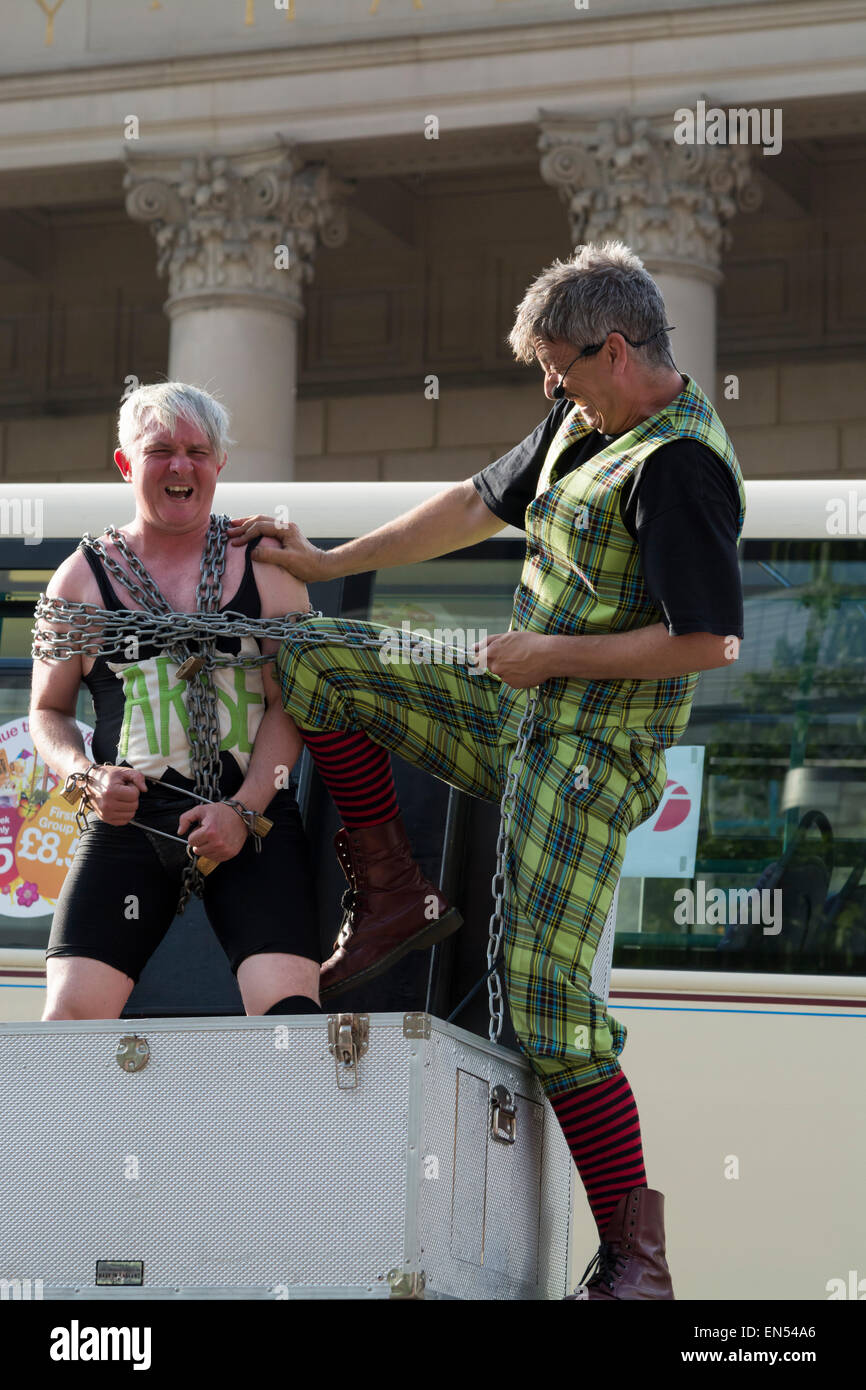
x=779 y=508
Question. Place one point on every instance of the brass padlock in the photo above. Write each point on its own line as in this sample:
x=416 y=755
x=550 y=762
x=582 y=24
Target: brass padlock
x=190 y=667
x=72 y=794
x=203 y=864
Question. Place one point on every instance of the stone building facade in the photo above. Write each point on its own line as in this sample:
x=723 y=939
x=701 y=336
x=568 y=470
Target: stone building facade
x=327 y=213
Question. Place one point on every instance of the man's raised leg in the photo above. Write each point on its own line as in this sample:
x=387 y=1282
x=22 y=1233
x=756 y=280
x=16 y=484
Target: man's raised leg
x=351 y=706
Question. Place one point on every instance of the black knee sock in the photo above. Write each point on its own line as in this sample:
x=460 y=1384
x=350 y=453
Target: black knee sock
x=295 y=1004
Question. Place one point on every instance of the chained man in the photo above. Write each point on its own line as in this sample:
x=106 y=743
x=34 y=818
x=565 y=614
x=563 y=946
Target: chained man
x=632 y=501
x=169 y=729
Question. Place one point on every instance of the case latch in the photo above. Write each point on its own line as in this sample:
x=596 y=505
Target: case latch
x=348 y=1040
x=503 y=1115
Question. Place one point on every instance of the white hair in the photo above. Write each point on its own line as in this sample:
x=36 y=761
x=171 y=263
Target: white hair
x=170 y=401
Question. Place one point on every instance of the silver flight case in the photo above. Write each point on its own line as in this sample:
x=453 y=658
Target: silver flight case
x=341 y=1156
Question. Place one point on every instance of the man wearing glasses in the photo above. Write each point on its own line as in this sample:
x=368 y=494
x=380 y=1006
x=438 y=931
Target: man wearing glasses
x=632 y=501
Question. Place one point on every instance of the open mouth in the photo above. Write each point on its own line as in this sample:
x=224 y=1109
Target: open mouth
x=179 y=494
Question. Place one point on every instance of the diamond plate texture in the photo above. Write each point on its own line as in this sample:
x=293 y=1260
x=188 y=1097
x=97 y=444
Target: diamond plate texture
x=253 y=1169
x=231 y=1163
x=495 y=1222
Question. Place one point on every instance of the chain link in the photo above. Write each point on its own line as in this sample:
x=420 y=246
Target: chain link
x=94 y=631
x=525 y=730
x=90 y=631
x=200 y=695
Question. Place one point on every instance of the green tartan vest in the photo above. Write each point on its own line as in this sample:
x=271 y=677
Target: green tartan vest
x=582 y=574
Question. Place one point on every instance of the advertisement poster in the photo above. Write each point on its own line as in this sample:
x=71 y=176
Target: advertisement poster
x=665 y=845
x=38 y=833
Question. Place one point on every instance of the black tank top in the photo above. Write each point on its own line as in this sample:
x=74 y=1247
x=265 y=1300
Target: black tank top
x=140 y=715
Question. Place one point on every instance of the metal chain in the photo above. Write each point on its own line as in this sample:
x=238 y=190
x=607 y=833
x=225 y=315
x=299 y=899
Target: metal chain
x=203 y=730
x=200 y=695
x=94 y=631
x=525 y=730
x=157 y=624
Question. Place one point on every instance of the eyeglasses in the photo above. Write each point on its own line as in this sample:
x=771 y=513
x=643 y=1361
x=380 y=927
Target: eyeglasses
x=559 y=389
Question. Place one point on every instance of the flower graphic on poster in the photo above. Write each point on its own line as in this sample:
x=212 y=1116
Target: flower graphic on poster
x=27 y=894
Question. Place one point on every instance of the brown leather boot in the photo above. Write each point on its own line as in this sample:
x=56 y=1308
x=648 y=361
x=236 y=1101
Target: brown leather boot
x=390 y=907
x=630 y=1262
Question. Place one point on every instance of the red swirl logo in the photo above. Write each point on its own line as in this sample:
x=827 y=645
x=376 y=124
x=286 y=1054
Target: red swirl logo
x=675 y=806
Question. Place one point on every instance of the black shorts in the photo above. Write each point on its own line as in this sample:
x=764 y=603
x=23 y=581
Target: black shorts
x=120 y=896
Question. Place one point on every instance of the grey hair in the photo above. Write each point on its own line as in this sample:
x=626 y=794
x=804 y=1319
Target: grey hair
x=170 y=401
x=602 y=289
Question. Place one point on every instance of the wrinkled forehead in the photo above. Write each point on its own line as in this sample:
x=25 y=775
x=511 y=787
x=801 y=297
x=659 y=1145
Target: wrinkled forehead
x=552 y=353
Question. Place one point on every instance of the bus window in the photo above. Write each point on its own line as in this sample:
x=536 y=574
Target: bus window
x=19 y=590
x=784 y=777
x=469 y=594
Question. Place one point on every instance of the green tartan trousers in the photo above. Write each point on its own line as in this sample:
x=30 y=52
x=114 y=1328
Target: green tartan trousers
x=576 y=801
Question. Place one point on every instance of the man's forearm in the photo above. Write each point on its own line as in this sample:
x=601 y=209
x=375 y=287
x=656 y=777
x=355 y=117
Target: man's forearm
x=647 y=653
x=57 y=738
x=277 y=746
x=446 y=522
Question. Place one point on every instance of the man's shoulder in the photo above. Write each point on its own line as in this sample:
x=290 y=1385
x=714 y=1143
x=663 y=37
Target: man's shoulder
x=75 y=580
x=279 y=591
x=686 y=447
x=685 y=470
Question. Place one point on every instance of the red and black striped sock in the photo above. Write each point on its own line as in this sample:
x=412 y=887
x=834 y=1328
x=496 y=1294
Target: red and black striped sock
x=602 y=1129
x=357 y=773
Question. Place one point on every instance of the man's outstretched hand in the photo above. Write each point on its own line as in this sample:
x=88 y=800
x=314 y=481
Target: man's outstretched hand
x=296 y=554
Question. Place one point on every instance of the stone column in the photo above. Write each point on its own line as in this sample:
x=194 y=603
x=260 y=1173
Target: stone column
x=236 y=236
x=626 y=179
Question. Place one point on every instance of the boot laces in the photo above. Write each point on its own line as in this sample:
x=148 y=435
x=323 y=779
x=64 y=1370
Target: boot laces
x=352 y=903
x=349 y=904
x=607 y=1262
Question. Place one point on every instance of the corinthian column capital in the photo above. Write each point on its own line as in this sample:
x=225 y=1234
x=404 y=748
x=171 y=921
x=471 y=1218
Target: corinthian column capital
x=626 y=178
x=238 y=227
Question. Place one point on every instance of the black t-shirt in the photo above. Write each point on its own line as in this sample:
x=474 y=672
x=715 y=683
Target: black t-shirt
x=680 y=505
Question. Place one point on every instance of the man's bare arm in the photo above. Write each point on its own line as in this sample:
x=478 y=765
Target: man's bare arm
x=525 y=659
x=113 y=791
x=55 y=685
x=452 y=519
x=277 y=743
